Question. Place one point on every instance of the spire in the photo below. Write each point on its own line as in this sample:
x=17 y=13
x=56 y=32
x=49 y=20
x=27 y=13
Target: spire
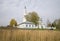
x=25 y=13
x=25 y=10
x=25 y=7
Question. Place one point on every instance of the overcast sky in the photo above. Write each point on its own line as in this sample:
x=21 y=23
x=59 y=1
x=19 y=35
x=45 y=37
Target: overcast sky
x=47 y=9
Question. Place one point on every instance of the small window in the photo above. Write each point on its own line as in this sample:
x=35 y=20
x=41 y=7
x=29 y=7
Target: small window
x=29 y=25
x=26 y=25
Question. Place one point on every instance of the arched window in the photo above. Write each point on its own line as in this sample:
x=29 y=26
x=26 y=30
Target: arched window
x=29 y=25
x=26 y=25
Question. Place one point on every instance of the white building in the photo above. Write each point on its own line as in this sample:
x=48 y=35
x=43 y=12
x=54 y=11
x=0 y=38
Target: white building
x=27 y=24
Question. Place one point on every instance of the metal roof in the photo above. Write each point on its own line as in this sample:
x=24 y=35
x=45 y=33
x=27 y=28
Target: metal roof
x=27 y=22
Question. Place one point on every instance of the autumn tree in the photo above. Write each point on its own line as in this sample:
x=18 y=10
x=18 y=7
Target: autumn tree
x=56 y=23
x=33 y=17
x=13 y=23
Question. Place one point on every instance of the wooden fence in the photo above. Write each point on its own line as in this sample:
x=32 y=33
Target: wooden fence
x=29 y=35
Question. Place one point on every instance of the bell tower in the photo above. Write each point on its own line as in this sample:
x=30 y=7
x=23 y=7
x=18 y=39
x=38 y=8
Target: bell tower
x=25 y=13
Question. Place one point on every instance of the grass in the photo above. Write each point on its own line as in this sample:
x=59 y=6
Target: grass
x=29 y=35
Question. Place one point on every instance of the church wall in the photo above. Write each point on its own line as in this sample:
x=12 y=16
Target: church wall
x=30 y=26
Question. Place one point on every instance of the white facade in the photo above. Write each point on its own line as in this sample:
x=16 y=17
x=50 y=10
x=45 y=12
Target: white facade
x=30 y=25
x=27 y=25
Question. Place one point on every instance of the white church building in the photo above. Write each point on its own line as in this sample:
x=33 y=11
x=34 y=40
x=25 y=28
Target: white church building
x=27 y=24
